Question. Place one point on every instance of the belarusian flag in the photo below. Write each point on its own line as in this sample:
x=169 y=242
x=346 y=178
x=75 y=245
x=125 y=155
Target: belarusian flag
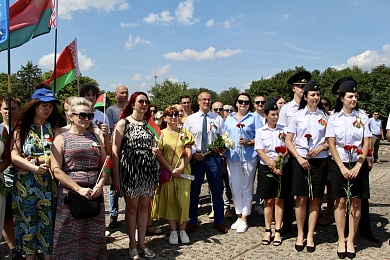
x=67 y=68
x=100 y=101
x=153 y=127
x=28 y=19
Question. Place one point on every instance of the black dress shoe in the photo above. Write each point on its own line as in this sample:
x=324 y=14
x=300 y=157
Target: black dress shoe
x=341 y=255
x=351 y=255
x=370 y=237
x=299 y=248
x=311 y=249
x=221 y=228
x=191 y=228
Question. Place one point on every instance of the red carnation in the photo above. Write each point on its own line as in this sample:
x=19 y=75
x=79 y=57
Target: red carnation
x=354 y=147
x=277 y=149
x=348 y=147
x=359 y=151
x=283 y=149
x=308 y=136
x=369 y=153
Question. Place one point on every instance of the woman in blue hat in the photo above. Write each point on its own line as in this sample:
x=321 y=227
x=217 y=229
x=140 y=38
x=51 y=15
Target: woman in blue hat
x=35 y=191
x=349 y=138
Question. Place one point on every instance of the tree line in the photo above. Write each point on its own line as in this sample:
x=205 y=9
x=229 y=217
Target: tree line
x=373 y=87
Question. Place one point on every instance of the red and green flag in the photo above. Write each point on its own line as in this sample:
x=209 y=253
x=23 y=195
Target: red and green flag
x=100 y=101
x=28 y=19
x=153 y=127
x=67 y=68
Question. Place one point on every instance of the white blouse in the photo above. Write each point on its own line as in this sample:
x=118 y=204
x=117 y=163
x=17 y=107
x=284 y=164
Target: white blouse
x=267 y=139
x=348 y=129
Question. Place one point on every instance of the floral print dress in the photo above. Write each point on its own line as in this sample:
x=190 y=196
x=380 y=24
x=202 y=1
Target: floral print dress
x=34 y=198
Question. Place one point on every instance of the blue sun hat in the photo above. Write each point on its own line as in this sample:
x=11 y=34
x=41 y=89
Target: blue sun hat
x=44 y=95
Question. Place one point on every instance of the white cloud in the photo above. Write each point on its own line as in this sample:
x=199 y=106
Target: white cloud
x=232 y=21
x=210 y=23
x=131 y=25
x=174 y=80
x=130 y=43
x=184 y=14
x=66 y=8
x=293 y=47
x=136 y=77
x=163 y=70
x=142 y=85
x=209 y=54
x=85 y=63
x=368 y=59
x=163 y=18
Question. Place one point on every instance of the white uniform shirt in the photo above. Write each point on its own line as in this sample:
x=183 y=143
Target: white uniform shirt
x=314 y=123
x=348 y=130
x=286 y=113
x=194 y=124
x=267 y=139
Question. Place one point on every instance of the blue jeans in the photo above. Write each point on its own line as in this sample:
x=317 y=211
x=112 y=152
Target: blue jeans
x=113 y=203
x=211 y=166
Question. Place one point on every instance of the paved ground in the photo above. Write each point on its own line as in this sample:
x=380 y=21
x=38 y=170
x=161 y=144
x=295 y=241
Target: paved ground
x=207 y=243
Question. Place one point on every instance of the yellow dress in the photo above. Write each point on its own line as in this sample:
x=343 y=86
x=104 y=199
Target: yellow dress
x=172 y=199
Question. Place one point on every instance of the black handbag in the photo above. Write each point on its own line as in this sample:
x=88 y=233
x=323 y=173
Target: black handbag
x=82 y=208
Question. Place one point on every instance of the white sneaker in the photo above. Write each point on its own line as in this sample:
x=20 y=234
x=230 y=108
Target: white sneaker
x=174 y=238
x=236 y=224
x=242 y=227
x=107 y=233
x=259 y=210
x=184 y=239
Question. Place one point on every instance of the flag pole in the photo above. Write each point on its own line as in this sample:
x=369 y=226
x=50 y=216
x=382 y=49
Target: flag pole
x=9 y=71
x=55 y=60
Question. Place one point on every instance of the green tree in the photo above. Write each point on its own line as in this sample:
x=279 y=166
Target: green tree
x=27 y=77
x=227 y=97
x=167 y=93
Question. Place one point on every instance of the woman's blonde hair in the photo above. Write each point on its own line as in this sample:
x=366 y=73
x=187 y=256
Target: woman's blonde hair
x=78 y=101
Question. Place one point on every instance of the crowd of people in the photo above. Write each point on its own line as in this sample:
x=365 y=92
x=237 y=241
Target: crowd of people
x=52 y=163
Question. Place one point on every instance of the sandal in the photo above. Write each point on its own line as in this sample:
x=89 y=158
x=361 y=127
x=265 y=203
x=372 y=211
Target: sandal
x=276 y=242
x=148 y=253
x=264 y=241
x=133 y=253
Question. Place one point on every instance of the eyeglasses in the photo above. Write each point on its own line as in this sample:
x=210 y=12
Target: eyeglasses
x=260 y=102
x=153 y=110
x=84 y=116
x=171 y=115
x=325 y=104
x=206 y=99
x=245 y=102
x=220 y=109
x=376 y=114
x=143 y=101
x=228 y=110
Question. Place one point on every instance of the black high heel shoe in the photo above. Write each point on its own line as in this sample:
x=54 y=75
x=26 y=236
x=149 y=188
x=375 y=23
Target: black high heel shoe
x=351 y=255
x=264 y=241
x=342 y=255
x=311 y=249
x=299 y=248
x=276 y=242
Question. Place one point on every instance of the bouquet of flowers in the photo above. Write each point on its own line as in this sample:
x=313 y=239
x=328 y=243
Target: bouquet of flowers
x=350 y=150
x=309 y=181
x=240 y=126
x=222 y=142
x=279 y=165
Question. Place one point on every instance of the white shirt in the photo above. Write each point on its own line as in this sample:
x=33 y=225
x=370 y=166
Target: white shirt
x=314 y=123
x=194 y=124
x=261 y=117
x=286 y=112
x=267 y=139
x=388 y=122
x=347 y=131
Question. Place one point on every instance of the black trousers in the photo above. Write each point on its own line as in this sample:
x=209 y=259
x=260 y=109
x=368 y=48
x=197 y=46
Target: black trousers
x=288 y=200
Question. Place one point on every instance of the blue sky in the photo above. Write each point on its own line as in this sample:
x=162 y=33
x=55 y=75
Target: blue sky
x=211 y=43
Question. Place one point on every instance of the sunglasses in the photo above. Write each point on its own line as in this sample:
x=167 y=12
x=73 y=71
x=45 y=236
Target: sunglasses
x=143 y=101
x=260 y=102
x=153 y=110
x=228 y=110
x=84 y=116
x=325 y=104
x=185 y=103
x=171 y=115
x=218 y=109
x=245 y=102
